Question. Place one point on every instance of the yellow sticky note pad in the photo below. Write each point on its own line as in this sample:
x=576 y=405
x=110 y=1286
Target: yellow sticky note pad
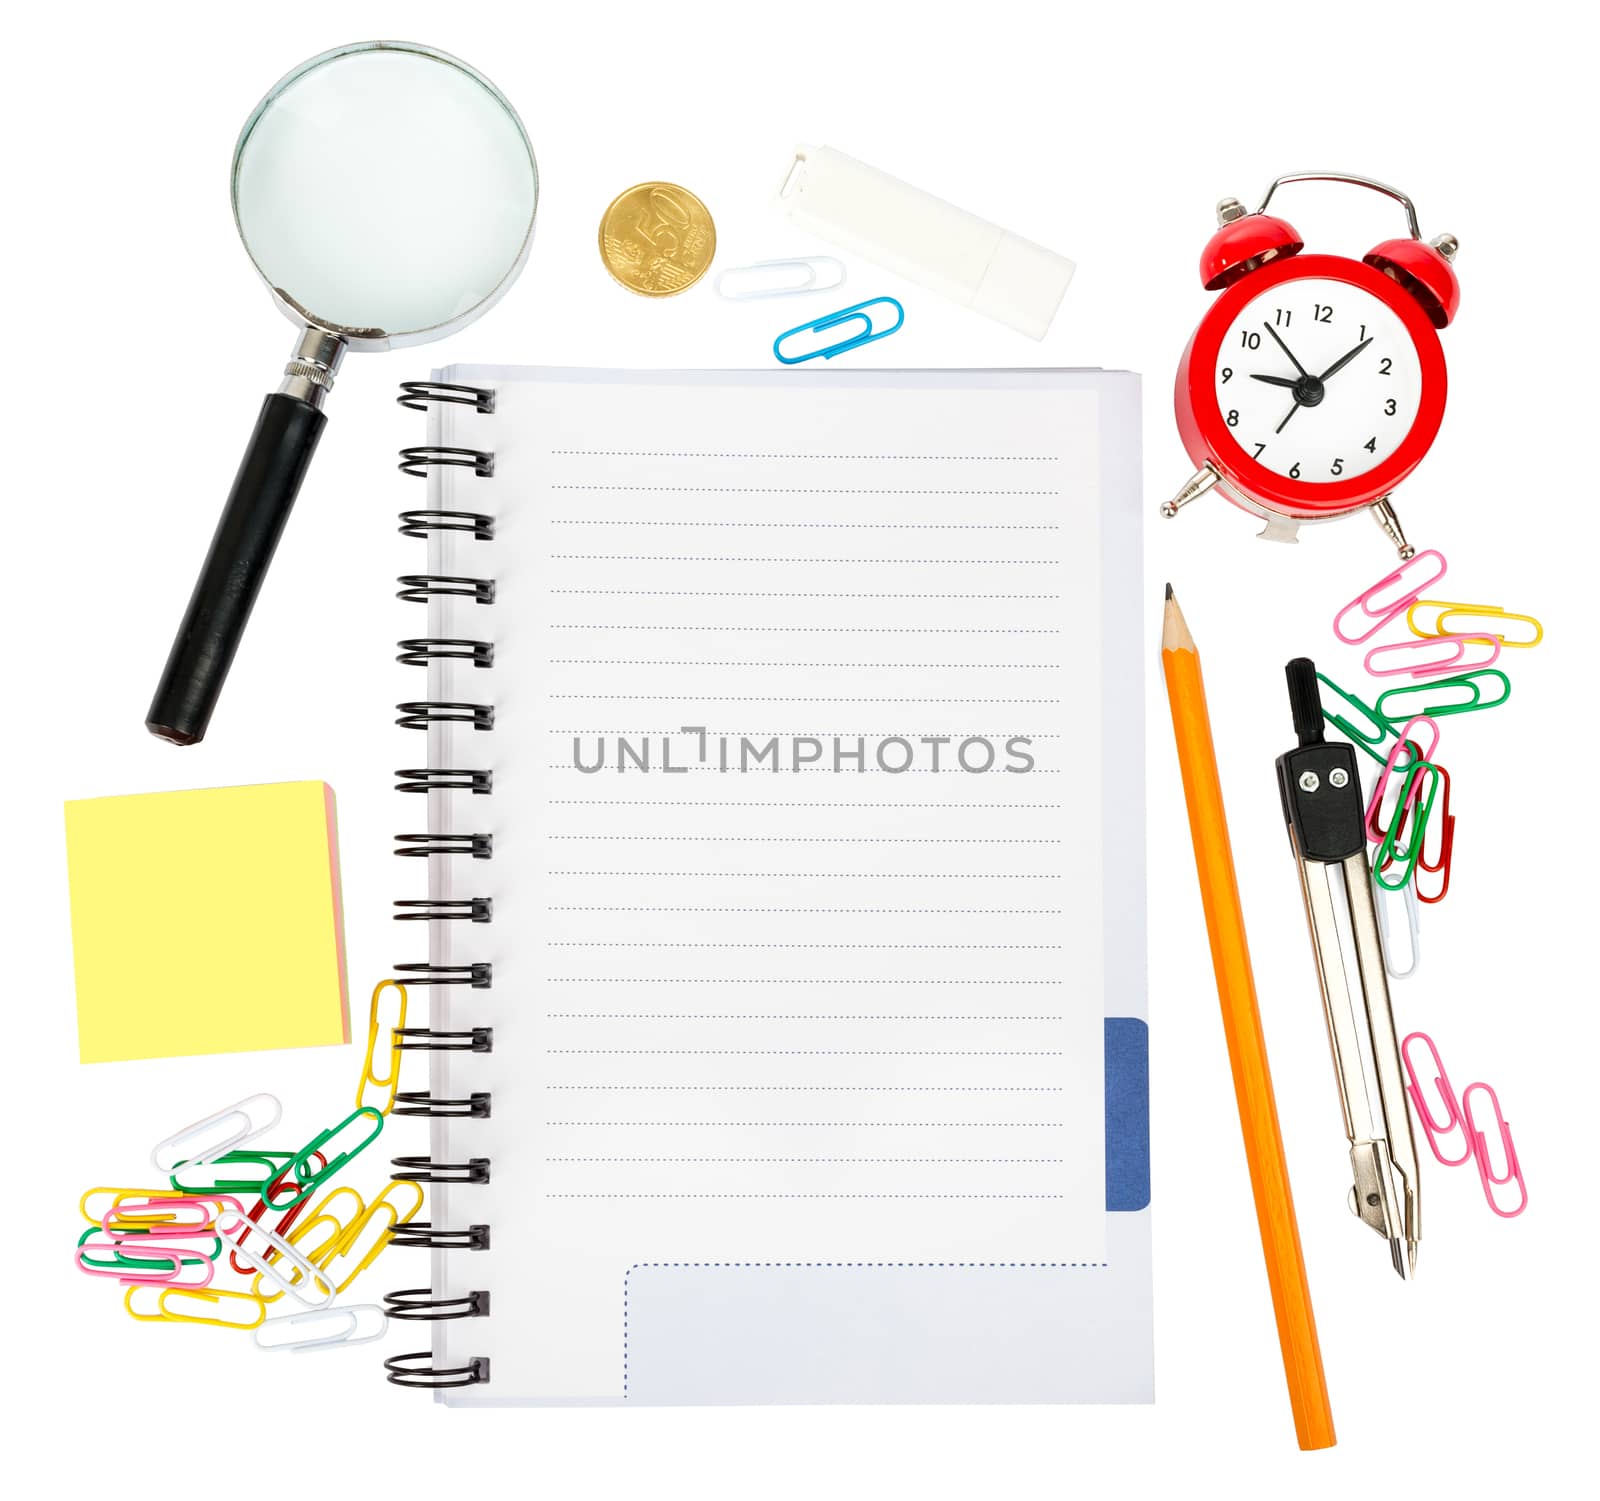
x=207 y=921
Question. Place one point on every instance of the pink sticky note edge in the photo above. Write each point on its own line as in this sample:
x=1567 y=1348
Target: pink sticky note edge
x=338 y=906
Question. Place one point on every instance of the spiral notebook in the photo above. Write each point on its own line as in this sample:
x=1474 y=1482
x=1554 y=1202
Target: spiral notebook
x=785 y=898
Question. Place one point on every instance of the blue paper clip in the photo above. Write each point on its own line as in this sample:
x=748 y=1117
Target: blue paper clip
x=856 y=314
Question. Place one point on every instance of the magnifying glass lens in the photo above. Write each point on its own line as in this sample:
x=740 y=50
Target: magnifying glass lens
x=384 y=190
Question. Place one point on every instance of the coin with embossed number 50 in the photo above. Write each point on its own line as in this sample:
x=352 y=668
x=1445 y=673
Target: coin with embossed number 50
x=657 y=239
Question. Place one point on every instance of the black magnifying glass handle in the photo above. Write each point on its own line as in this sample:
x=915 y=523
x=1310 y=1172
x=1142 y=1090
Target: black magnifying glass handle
x=264 y=490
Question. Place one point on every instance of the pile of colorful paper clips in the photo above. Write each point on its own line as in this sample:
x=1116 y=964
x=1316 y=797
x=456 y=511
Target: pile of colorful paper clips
x=165 y=1244
x=1450 y=658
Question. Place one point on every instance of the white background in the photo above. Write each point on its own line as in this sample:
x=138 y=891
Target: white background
x=140 y=347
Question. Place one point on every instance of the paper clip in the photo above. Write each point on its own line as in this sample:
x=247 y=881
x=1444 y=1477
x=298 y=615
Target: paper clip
x=1440 y=865
x=333 y=1163
x=1430 y=667
x=268 y=1165
x=1480 y=1150
x=1390 y=852
x=855 y=314
x=1431 y=1128
x=390 y=1081
x=777 y=278
x=1351 y=731
x=124 y=1243
x=173 y=1277
x=211 y=1297
x=1376 y=824
x=309 y=1288
x=350 y=1242
x=319 y=1251
x=351 y=1316
x=1468 y=613
x=1467 y=681
x=129 y=1220
x=1381 y=611
x=159 y=1218
x=1408 y=898
x=239 y=1111
x=287 y=1219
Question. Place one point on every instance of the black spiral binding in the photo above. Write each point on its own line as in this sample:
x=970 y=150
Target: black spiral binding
x=418 y=1303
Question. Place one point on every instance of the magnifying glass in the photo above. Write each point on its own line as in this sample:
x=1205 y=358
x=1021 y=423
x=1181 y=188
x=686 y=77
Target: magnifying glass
x=386 y=193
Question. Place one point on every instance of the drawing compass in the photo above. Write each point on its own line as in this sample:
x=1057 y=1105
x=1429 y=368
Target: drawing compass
x=1321 y=791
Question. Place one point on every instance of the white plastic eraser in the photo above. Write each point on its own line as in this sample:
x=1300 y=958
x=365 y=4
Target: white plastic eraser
x=925 y=239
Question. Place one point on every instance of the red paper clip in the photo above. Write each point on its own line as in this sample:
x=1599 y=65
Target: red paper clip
x=1431 y=1128
x=1440 y=865
x=1480 y=1150
x=290 y=1215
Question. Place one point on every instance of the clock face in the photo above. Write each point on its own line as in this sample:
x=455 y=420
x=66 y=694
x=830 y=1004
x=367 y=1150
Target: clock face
x=1318 y=380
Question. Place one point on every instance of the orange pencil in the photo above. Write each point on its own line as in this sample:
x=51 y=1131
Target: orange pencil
x=1247 y=1048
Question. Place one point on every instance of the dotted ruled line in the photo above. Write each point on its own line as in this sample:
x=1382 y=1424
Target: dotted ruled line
x=789 y=594
x=780 y=1015
x=827 y=526
x=931 y=458
x=696 y=802
x=796 y=839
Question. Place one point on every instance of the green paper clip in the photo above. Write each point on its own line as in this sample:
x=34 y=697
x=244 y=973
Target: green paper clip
x=188 y=1257
x=301 y=1159
x=1466 y=680
x=1352 y=732
x=270 y=1163
x=1388 y=851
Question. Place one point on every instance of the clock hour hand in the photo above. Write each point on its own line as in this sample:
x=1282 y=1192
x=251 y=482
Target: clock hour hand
x=1288 y=382
x=1343 y=360
x=1285 y=348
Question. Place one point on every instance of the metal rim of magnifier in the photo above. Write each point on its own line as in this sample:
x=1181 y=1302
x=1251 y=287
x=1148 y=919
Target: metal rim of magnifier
x=376 y=338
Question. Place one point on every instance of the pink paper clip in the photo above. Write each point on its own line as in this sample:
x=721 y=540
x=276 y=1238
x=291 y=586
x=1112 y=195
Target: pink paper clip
x=1377 y=826
x=1381 y=611
x=1431 y=1128
x=1480 y=1150
x=1453 y=659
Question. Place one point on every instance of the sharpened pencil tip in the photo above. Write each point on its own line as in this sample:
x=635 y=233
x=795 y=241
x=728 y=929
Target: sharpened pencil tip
x=1169 y=591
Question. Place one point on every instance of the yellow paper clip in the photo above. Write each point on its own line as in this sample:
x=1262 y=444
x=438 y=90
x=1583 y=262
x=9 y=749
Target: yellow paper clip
x=389 y=1081
x=211 y=1297
x=1453 y=617
x=318 y=1250
x=128 y=1220
x=352 y=1240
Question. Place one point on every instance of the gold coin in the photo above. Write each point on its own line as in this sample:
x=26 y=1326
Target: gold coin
x=657 y=239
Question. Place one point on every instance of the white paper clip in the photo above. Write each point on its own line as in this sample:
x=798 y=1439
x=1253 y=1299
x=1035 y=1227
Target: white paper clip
x=254 y=1241
x=779 y=278
x=1381 y=897
x=240 y=1111
x=350 y=1316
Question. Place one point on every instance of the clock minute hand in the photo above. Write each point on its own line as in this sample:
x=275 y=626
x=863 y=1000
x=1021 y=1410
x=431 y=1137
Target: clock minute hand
x=1285 y=348
x=1343 y=360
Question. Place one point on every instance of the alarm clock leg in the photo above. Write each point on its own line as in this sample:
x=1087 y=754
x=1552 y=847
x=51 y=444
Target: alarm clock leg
x=1389 y=524
x=1193 y=488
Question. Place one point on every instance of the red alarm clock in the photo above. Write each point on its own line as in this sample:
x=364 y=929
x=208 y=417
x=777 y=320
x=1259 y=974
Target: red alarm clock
x=1315 y=383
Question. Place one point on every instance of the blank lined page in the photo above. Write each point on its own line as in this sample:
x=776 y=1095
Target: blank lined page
x=796 y=816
